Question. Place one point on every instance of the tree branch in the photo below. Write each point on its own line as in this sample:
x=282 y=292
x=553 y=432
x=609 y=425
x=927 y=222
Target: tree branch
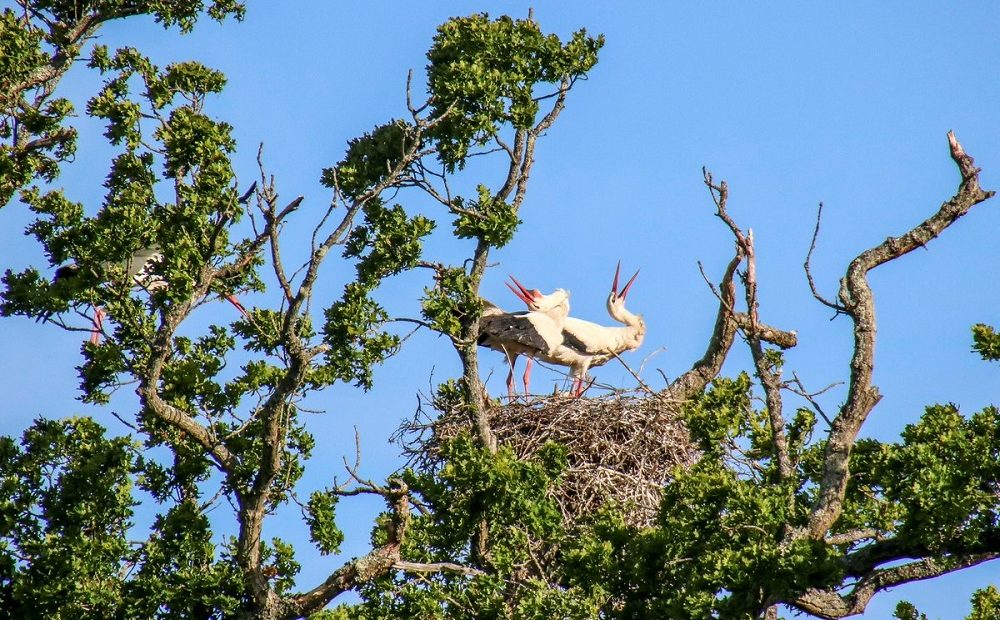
x=362 y=570
x=858 y=302
x=436 y=567
x=149 y=395
x=807 y=266
x=703 y=371
x=830 y=604
x=778 y=337
x=707 y=368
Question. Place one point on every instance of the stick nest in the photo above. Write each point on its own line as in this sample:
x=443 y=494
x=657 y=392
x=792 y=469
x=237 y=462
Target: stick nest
x=621 y=448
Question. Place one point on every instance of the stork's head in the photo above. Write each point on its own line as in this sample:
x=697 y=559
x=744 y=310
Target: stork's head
x=537 y=302
x=616 y=299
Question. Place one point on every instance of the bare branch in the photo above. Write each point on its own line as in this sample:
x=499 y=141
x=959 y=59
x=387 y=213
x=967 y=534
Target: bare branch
x=769 y=376
x=807 y=265
x=858 y=302
x=632 y=372
x=831 y=604
x=773 y=335
x=707 y=368
x=436 y=567
x=362 y=570
x=557 y=107
x=811 y=396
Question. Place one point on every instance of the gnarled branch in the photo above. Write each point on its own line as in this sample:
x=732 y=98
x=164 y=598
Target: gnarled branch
x=859 y=304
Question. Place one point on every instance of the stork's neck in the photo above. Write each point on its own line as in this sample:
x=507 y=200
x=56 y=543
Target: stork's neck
x=630 y=337
x=632 y=334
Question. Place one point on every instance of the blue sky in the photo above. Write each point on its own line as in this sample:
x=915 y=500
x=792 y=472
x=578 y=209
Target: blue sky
x=792 y=104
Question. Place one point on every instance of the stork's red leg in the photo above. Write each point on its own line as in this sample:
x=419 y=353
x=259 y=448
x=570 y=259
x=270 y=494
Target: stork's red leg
x=583 y=386
x=236 y=302
x=527 y=376
x=511 y=392
x=95 y=331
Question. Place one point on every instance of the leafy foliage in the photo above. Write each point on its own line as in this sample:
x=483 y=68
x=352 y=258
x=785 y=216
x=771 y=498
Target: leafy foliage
x=219 y=412
x=484 y=73
x=37 y=47
x=474 y=486
x=387 y=243
x=322 y=521
x=353 y=333
x=452 y=302
x=489 y=218
x=65 y=525
x=371 y=158
x=985 y=604
x=190 y=232
x=986 y=342
x=66 y=508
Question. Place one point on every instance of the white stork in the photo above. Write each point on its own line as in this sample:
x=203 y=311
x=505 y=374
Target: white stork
x=533 y=333
x=140 y=269
x=586 y=344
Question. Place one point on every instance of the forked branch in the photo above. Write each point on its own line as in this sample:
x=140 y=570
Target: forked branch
x=858 y=303
x=831 y=604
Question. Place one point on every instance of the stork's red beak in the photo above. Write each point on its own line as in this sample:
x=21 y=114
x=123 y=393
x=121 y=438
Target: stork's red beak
x=628 y=285
x=523 y=293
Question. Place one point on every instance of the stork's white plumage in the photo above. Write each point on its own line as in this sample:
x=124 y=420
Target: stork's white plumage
x=586 y=344
x=533 y=333
x=141 y=268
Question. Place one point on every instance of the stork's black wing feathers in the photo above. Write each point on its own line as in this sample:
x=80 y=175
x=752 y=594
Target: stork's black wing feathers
x=509 y=328
x=572 y=341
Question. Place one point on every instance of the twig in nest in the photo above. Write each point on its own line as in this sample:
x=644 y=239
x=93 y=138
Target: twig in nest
x=632 y=372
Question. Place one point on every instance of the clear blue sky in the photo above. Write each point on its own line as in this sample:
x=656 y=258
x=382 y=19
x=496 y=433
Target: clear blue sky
x=791 y=103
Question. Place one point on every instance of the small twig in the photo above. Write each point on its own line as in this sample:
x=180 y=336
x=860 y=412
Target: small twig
x=632 y=372
x=124 y=421
x=666 y=379
x=418 y=322
x=711 y=285
x=649 y=357
x=807 y=265
x=810 y=397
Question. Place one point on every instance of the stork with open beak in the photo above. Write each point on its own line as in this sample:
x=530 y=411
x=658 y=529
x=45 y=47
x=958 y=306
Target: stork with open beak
x=586 y=344
x=533 y=333
x=141 y=271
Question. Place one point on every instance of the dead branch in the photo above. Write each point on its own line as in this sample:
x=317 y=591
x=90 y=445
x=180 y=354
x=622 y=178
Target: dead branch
x=769 y=376
x=807 y=265
x=707 y=368
x=772 y=335
x=810 y=396
x=859 y=304
x=641 y=383
x=831 y=604
x=436 y=567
